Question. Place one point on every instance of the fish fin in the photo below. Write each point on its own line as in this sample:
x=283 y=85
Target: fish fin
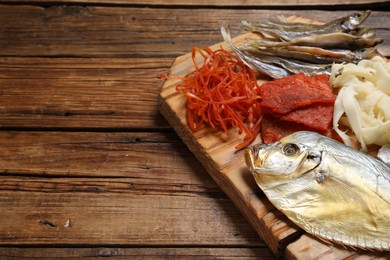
x=247 y=26
x=282 y=18
x=228 y=39
x=335 y=185
x=347 y=195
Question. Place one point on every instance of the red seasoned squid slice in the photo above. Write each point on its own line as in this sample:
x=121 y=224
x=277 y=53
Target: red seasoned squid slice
x=318 y=117
x=296 y=103
x=284 y=95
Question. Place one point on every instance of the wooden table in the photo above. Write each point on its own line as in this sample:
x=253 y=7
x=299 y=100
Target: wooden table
x=89 y=167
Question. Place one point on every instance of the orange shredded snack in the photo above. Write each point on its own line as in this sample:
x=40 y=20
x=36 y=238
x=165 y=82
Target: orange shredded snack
x=222 y=93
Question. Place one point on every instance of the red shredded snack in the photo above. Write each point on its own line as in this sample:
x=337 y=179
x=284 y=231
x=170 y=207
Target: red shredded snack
x=222 y=93
x=289 y=93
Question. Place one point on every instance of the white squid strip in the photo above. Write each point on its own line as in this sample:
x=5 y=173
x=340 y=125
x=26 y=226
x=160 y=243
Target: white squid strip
x=363 y=102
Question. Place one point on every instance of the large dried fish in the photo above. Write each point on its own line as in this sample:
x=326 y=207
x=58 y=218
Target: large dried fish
x=328 y=189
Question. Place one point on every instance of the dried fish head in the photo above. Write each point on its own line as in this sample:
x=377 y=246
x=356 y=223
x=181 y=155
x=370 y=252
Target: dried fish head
x=273 y=164
x=356 y=19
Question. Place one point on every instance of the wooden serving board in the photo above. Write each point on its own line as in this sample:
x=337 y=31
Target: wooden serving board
x=216 y=151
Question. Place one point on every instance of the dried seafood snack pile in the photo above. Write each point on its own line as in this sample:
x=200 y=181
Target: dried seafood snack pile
x=290 y=48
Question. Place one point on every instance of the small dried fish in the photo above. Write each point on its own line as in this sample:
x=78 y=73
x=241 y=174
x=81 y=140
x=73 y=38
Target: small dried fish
x=337 y=55
x=293 y=66
x=338 y=40
x=288 y=31
x=299 y=47
x=330 y=190
x=253 y=62
x=306 y=54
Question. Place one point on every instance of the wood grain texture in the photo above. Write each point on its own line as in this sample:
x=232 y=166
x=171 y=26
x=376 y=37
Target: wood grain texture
x=309 y=247
x=96 y=212
x=79 y=93
x=95 y=31
x=226 y=3
x=106 y=188
x=139 y=253
x=161 y=157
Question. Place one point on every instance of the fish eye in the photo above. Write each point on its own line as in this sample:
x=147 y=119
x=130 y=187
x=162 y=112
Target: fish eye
x=290 y=149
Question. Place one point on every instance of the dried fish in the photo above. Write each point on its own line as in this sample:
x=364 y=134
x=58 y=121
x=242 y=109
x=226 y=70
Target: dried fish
x=337 y=55
x=293 y=66
x=336 y=40
x=307 y=48
x=253 y=62
x=307 y=54
x=288 y=31
x=330 y=190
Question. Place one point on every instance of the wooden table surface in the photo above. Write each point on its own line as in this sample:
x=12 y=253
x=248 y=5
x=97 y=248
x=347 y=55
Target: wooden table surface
x=88 y=165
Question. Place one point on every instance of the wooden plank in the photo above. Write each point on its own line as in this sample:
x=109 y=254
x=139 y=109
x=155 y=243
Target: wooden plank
x=81 y=92
x=93 y=31
x=155 y=157
x=72 y=188
x=79 y=211
x=139 y=253
x=226 y=3
x=311 y=248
